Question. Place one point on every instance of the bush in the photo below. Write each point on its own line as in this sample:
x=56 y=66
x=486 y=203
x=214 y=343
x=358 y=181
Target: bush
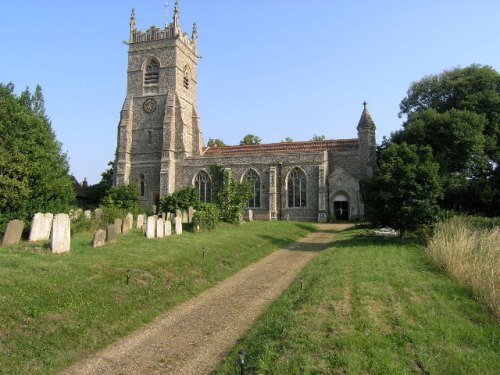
x=125 y=197
x=232 y=198
x=180 y=200
x=206 y=216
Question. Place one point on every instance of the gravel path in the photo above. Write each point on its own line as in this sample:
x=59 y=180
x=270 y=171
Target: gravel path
x=193 y=337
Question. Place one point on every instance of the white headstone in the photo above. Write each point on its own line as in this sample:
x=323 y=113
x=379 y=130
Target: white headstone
x=160 y=228
x=40 y=227
x=140 y=221
x=151 y=227
x=60 y=239
x=178 y=225
x=250 y=215
x=168 y=228
x=88 y=214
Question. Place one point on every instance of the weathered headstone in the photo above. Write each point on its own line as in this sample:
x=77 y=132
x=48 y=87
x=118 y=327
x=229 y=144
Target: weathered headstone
x=168 y=228
x=190 y=214
x=12 y=235
x=98 y=213
x=184 y=217
x=40 y=227
x=178 y=213
x=87 y=214
x=160 y=228
x=75 y=214
x=112 y=234
x=99 y=238
x=118 y=225
x=140 y=221
x=127 y=224
x=60 y=238
x=178 y=225
x=250 y=215
x=156 y=217
x=151 y=227
x=170 y=216
x=163 y=215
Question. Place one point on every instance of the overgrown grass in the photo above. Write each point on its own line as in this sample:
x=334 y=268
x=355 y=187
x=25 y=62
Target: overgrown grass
x=471 y=255
x=56 y=309
x=371 y=306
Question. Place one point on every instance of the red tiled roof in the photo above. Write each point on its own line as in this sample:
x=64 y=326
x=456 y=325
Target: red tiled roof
x=307 y=146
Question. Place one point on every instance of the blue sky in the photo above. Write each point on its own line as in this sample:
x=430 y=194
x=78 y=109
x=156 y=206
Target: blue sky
x=273 y=68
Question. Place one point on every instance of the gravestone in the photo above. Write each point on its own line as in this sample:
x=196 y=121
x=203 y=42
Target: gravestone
x=87 y=214
x=163 y=215
x=99 y=238
x=178 y=225
x=156 y=217
x=140 y=221
x=98 y=213
x=112 y=234
x=170 y=216
x=190 y=214
x=40 y=227
x=168 y=228
x=160 y=228
x=60 y=238
x=151 y=227
x=178 y=213
x=250 y=215
x=127 y=223
x=12 y=235
x=118 y=225
x=185 y=219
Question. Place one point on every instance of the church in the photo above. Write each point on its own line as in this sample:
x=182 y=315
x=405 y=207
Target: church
x=160 y=143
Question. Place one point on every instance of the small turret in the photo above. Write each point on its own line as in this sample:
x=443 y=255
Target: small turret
x=367 y=143
x=177 y=26
x=132 y=20
x=194 y=35
x=365 y=122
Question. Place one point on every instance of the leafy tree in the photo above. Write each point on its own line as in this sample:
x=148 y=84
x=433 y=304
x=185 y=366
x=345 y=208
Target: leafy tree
x=125 y=197
x=97 y=192
x=317 y=137
x=405 y=192
x=287 y=139
x=250 y=139
x=34 y=172
x=233 y=198
x=215 y=142
x=180 y=200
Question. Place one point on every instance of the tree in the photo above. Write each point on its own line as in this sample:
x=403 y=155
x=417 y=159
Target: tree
x=232 y=198
x=125 y=197
x=180 y=200
x=405 y=192
x=34 y=172
x=215 y=142
x=287 y=139
x=250 y=139
x=97 y=192
x=317 y=137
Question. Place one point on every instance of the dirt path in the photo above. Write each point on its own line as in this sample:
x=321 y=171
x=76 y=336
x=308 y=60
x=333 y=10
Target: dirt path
x=193 y=337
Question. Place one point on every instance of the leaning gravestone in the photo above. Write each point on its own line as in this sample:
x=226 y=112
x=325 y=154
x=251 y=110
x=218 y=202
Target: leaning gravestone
x=60 y=239
x=99 y=238
x=40 y=227
x=118 y=225
x=127 y=224
x=190 y=214
x=168 y=228
x=160 y=228
x=151 y=227
x=140 y=221
x=178 y=225
x=112 y=234
x=250 y=215
x=13 y=233
x=98 y=213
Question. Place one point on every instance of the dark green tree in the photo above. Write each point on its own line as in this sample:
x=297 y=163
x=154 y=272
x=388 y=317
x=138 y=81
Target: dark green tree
x=180 y=200
x=405 y=192
x=34 y=172
x=125 y=197
x=97 y=192
x=287 y=139
x=215 y=142
x=250 y=139
x=317 y=137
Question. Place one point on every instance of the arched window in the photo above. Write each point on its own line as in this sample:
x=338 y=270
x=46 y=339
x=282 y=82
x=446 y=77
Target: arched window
x=141 y=178
x=203 y=184
x=152 y=72
x=253 y=178
x=296 y=188
x=186 y=78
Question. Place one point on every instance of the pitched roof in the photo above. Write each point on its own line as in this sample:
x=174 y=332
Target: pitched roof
x=306 y=146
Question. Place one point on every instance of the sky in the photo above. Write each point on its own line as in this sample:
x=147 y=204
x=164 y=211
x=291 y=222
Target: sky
x=272 y=68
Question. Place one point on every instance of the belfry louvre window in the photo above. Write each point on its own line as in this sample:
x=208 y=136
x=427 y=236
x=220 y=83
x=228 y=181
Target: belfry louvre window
x=152 y=72
x=186 y=78
x=297 y=188
x=203 y=184
x=253 y=178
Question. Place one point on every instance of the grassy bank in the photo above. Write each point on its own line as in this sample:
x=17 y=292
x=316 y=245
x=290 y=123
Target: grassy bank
x=471 y=255
x=371 y=306
x=55 y=310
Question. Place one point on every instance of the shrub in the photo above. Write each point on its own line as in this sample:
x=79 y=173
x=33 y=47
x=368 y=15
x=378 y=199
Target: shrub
x=206 y=216
x=470 y=255
x=125 y=197
x=180 y=200
x=232 y=198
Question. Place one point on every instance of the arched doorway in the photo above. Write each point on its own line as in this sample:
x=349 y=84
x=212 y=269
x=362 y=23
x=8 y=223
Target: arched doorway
x=341 y=207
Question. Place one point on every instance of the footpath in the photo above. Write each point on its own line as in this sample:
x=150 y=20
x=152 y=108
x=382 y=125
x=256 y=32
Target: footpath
x=193 y=337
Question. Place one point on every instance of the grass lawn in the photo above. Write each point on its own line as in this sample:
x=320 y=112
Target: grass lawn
x=371 y=306
x=56 y=309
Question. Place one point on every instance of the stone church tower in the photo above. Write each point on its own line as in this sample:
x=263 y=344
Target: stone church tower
x=159 y=123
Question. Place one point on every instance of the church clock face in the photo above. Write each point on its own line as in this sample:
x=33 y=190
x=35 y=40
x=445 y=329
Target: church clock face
x=149 y=105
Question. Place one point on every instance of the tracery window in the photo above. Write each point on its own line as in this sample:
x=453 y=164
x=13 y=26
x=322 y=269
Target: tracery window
x=253 y=178
x=203 y=184
x=297 y=188
x=152 y=72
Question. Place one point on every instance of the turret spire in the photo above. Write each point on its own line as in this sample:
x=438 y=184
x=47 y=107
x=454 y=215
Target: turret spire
x=132 y=20
x=366 y=122
x=176 y=17
x=194 y=35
